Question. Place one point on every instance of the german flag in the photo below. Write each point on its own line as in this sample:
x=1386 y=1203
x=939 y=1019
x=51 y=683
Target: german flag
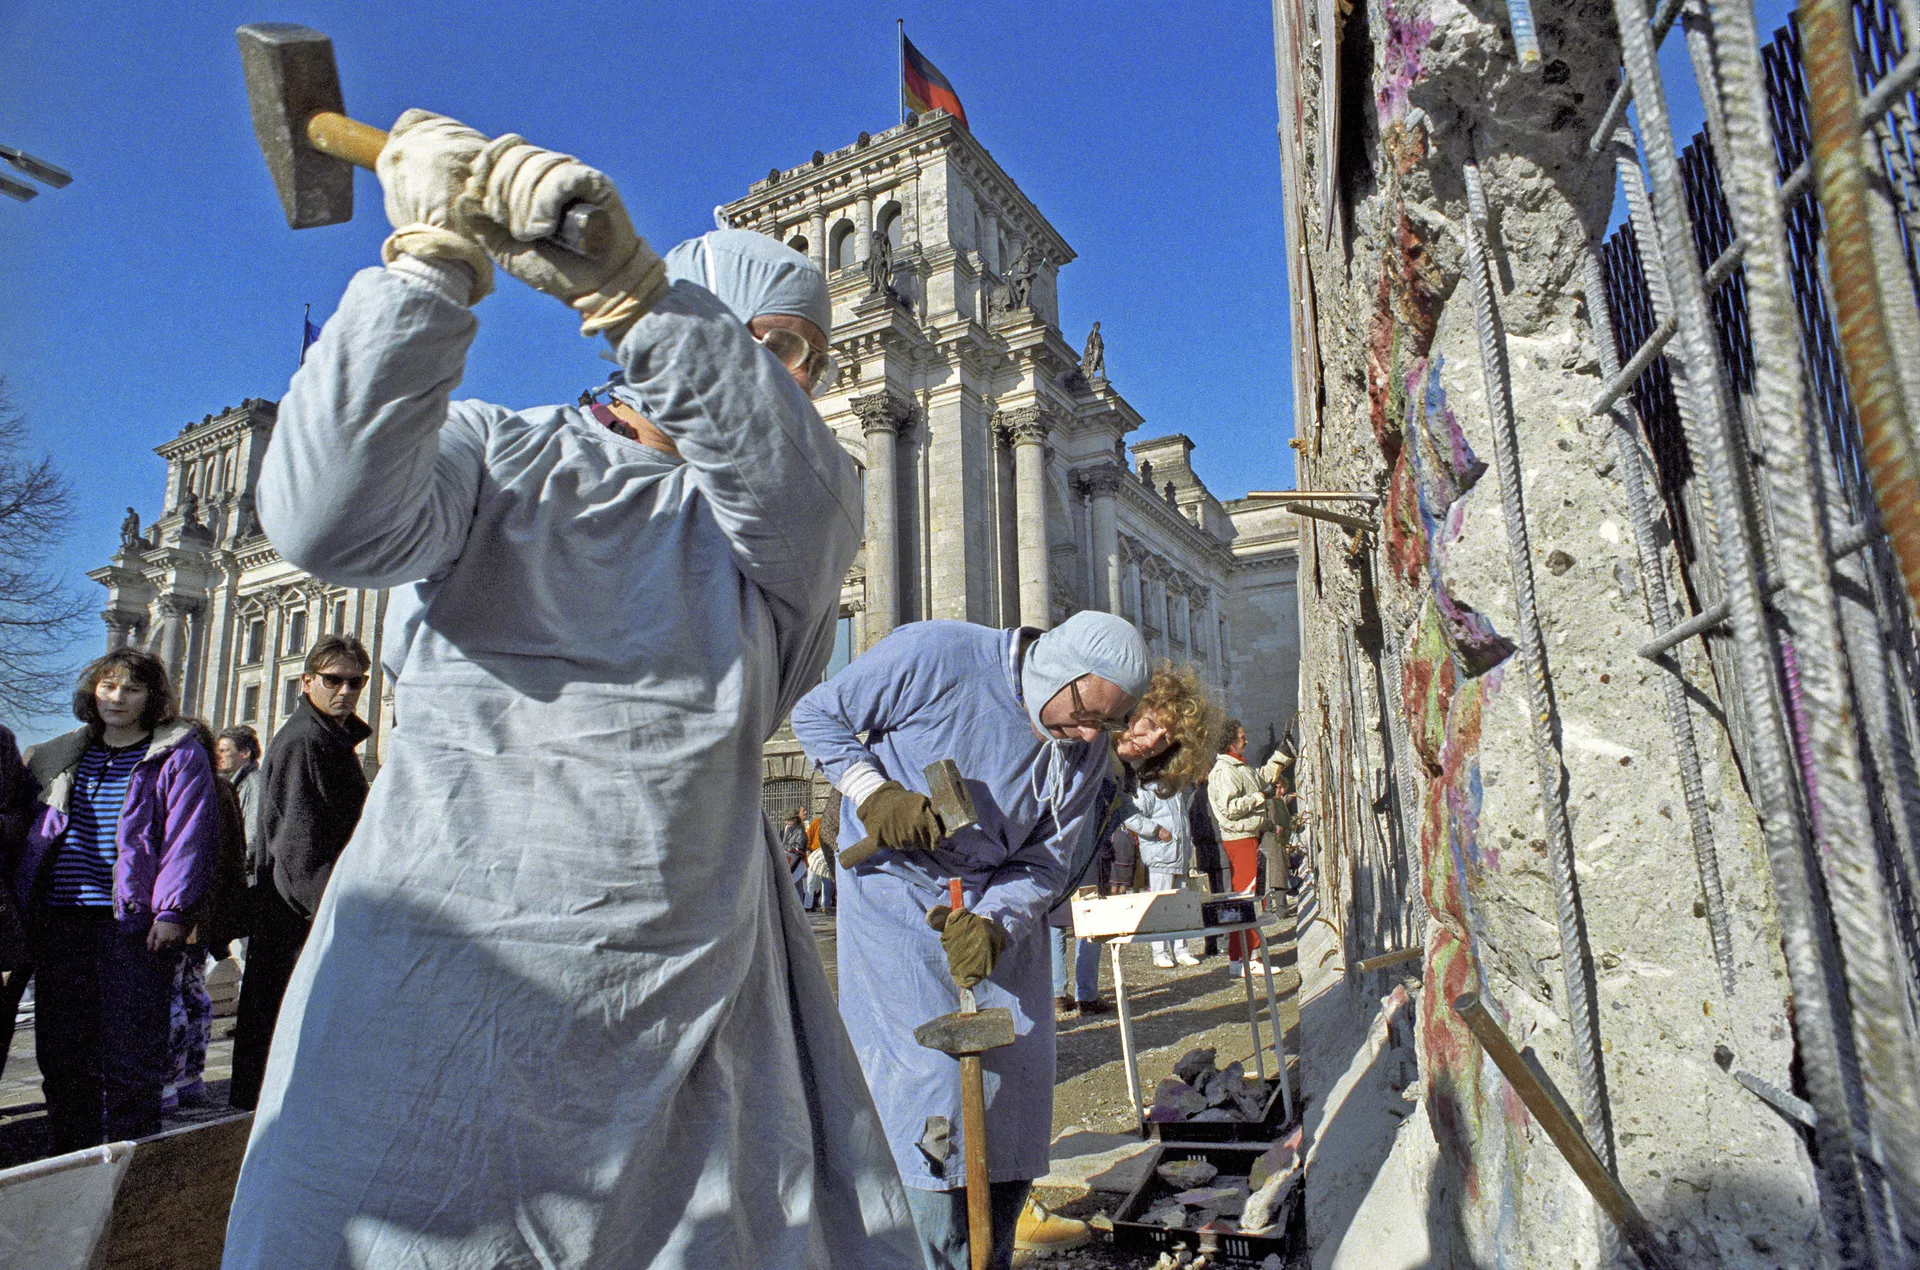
x=922 y=85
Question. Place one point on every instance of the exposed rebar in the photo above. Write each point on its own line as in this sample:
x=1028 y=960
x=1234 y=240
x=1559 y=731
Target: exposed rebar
x=1707 y=422
x=1833 y=104
x=1862 y=917
x=1653 y=581
x=1576 y=957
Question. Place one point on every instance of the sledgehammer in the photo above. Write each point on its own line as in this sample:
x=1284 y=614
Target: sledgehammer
x=947 y=791
x=966 y=1034
x=312 y=147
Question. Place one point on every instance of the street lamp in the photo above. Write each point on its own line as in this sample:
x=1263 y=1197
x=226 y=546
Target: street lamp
x=39 y=169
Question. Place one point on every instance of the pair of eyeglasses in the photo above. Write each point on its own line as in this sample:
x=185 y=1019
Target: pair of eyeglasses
x=337 y=682
x=1085 y=718
x=796 y=352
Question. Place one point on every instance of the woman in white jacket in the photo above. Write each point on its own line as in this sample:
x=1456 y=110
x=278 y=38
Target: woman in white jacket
x=1166 y=848
x=1239 y=801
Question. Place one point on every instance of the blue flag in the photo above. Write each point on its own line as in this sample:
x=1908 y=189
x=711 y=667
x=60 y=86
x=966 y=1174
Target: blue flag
x=307 y=337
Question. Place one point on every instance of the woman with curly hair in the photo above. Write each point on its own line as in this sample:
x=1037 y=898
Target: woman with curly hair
x=1176 y=710
x=1165 y=752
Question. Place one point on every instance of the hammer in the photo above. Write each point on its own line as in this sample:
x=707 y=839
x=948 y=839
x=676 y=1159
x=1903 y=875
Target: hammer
x=966 y=1034
x=312 y=147
x=951 y=802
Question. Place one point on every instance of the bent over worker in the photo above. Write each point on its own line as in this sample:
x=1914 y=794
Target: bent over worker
x=559 y=1006
x=1025 y=717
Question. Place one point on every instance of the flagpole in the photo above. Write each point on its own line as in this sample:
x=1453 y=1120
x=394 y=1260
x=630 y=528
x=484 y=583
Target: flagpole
x=901 y=67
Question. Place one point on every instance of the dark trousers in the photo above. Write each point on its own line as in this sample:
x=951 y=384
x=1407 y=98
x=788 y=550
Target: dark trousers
x=17 y=980
x=100 y=1027
x=279 y=934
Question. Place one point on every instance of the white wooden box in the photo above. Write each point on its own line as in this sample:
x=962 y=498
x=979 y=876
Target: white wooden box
x=1136 y=913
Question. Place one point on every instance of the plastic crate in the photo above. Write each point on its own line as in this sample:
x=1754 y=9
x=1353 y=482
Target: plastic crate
x=1130 y=1234
x=1269 y=1128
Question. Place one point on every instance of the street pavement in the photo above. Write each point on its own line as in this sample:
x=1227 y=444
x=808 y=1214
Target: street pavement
x=1174 y=1011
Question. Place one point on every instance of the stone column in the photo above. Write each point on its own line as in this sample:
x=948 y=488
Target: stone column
x=170 y=641
x=1100 y=484
x=1029 y=427
x=881 y=415
x=863 y=228
x=990 y=244
x=817 y=241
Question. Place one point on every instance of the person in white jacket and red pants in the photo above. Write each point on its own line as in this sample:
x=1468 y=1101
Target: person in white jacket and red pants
x=1239 y=801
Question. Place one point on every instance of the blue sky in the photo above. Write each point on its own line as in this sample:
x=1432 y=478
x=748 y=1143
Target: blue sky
x=163 y=284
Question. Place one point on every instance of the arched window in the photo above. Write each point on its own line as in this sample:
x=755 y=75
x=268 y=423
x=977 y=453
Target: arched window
x=783 y=797
x=889 y=224
x=844 y=242
x=799 y=243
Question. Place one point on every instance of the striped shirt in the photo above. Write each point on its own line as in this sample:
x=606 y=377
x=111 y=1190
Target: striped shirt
x=83 y=869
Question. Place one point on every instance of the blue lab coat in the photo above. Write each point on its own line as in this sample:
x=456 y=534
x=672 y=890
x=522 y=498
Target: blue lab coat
x=928 y=691
x=559 y=1006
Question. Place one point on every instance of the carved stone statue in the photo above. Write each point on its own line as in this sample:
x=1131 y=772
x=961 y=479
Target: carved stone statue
x=1020 y=276
x=190 y=508
x=130 y=529
x=1093 y=362
x=879 y=263
x=247 y=524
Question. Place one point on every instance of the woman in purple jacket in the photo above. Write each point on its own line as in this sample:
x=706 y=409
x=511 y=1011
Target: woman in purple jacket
x=123 y=844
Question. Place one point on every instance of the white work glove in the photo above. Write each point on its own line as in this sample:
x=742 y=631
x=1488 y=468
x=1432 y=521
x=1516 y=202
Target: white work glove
x=423 y=174
x=514 y=199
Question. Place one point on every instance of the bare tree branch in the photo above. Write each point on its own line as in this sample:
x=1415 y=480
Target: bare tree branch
x=40 y=611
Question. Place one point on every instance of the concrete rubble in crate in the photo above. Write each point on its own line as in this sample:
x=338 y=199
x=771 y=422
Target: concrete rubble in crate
x=1200 y=1091
x=1252 y=1205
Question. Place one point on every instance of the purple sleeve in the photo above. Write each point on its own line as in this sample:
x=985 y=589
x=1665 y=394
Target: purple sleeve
x=192 y=845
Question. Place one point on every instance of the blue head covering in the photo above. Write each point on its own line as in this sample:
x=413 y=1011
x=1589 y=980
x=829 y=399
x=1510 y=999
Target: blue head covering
x=1087 y=643
x=754 y=276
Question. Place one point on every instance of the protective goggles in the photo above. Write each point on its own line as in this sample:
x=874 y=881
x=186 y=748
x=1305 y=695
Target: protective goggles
x=797 y=353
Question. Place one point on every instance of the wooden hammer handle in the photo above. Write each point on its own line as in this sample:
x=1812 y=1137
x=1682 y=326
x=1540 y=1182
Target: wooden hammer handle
x=857 y=852
x=973 y=1124
x=359 y=144
x=585 y=229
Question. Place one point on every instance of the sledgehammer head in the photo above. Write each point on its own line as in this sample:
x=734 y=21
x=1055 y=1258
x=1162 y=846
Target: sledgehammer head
x=290 y=78
x=947 y=791
x=967 y=1031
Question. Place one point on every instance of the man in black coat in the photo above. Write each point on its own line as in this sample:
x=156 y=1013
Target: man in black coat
x=1207 y=856
x=313 y=788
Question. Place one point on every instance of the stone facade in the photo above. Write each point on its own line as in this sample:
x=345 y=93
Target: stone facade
x=204 y=590
x=998 y=486
x=998 y=483
x=1420 y=774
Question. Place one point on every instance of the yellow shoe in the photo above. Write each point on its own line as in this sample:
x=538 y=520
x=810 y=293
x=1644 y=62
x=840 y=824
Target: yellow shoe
x=1042 y=1232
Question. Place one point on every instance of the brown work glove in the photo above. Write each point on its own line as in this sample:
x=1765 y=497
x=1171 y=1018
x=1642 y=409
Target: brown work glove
x=901 y=820
x=973 y=943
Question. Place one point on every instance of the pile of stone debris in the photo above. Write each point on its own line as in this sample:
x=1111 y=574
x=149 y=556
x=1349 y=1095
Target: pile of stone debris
x=1184 y=1260
x=1200 y=1091
x=1201 y=1198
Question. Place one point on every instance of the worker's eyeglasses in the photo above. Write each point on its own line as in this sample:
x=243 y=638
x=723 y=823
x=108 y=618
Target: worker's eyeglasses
x=796 y=352
x=1085 y=718
x=337 y=682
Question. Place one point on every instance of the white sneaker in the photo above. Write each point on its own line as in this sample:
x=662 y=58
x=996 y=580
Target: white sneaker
x=1163 y=959
x=1185 y=958
x=1233 y=968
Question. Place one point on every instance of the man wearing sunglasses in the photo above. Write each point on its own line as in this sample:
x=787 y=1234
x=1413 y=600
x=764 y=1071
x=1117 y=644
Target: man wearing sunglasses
x=314 y=788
